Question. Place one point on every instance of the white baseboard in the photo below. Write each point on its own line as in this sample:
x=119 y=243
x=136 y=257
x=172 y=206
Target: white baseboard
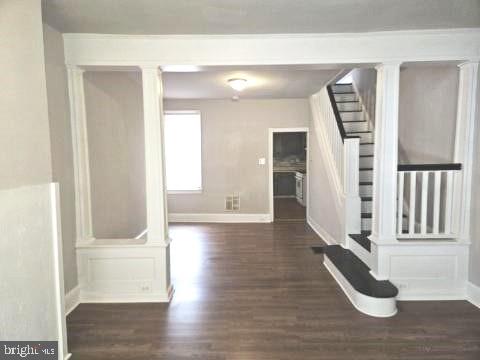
x=321 y=232
x=220 y=218
x=93 y=297
x=72 y=300
x=473 y=294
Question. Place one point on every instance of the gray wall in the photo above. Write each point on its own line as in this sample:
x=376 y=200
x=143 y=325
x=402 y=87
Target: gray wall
x=61 y=146
x=365 y=83
x=234 y=137
x=474 y=264
x=24 y=130
x=117 y=157
x=427 y=114
x=321 y=202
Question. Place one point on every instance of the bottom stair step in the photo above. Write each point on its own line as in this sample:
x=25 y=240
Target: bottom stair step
x=362 y=240
x=369 y=295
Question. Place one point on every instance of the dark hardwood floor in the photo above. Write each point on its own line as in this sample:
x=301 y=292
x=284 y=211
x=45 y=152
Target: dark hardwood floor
x=257 y=292
x=288 y=209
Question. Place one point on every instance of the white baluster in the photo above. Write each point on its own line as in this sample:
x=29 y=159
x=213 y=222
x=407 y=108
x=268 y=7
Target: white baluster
x=401 y=180
x=423 y=223
x=411 y=213
x=436 y=202
x=449 y=203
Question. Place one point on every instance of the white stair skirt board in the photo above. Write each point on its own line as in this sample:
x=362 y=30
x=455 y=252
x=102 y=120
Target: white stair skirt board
x=360 y=252
x=72 y=300
x=473 y=294
x=377 y=307
x=329 y=239
x=220 y=218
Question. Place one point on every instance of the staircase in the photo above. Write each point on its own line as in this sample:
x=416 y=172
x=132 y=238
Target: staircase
x=350 y=264
x=355 y=124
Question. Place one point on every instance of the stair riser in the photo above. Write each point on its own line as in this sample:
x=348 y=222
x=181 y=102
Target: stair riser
x=366 y=149
x=352 y=116
x=366 y=175
x=355 y=126
x=349 y=106
x=366 y=206
x=366 y=162
x=366 y=224
x=365 y=190
x=345 y=97
x=342 y=88
x=364 y=137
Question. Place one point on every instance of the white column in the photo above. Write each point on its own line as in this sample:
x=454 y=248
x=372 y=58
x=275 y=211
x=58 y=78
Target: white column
x=386 y=154
x=157 y=223
x=464 y=147
x=81 y=163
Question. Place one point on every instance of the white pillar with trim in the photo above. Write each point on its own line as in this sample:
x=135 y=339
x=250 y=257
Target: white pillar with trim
x=464 y=146
x=78 y=119
x=156 y=192
x=386 y=162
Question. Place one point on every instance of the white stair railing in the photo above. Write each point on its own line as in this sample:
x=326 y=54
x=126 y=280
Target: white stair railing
x=425 y=201
x=345 y=153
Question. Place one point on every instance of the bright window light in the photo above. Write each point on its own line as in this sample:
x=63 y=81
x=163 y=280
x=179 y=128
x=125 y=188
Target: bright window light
x=347 y=79
x=183 y=151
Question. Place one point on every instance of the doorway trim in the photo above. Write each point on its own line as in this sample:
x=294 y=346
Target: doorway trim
x=272 y=131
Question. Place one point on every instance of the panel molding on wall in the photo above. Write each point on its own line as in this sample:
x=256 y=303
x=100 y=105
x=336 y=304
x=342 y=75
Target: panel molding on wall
x=428 y=271
x=121 y=274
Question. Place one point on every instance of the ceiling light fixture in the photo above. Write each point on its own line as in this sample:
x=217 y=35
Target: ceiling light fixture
x=238 y=84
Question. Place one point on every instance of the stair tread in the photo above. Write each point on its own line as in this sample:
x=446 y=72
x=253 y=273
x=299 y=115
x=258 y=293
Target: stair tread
x=359 y=132
x=346 y=101
x=367 y=143
x=353 y=121
x=367 y=198
x=366 y=183
x=358 y=274
x=343 y=93
x=366 y=215
x=349 y=111
x=366 y=155
x=366 y=169
x=362 y=239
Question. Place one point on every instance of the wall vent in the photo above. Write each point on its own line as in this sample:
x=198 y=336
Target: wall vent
x=232 y=202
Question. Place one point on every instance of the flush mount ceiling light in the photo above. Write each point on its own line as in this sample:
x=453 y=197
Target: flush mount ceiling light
x=238 y=84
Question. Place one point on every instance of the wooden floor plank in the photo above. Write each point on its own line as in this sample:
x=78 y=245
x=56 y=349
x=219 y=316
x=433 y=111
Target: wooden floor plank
x=258 y=292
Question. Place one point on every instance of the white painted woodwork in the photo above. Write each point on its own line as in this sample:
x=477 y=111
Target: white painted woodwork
x=351 y=151
x=118 y=271
x=83 y=204
x=425 y=269
x=330 y=139
x=157 y=223
x=372 y=47
x=377 y=307
x=464 y=144
x=440 y=225
x=386 y=154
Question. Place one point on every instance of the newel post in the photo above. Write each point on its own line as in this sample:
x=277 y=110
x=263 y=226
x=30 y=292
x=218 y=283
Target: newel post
x=464 y=146
x=386 y=161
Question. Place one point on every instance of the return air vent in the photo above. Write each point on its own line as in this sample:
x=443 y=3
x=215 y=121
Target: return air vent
x=232 y=202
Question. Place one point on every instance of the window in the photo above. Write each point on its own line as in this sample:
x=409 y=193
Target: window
x=183 y=151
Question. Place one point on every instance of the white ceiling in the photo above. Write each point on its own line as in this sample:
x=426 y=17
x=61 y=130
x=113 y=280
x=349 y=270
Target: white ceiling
x=262 y=83
x=257 y=16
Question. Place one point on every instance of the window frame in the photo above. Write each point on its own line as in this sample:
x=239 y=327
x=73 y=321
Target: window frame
x=192 y=191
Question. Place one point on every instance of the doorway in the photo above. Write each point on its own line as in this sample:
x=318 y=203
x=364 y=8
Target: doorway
x=288 y=180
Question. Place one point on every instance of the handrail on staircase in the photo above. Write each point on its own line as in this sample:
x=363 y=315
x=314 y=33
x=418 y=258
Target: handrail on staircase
x=338 y=118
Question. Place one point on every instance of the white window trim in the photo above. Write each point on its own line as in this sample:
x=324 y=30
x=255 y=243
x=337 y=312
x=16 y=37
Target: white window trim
x=196 y=191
